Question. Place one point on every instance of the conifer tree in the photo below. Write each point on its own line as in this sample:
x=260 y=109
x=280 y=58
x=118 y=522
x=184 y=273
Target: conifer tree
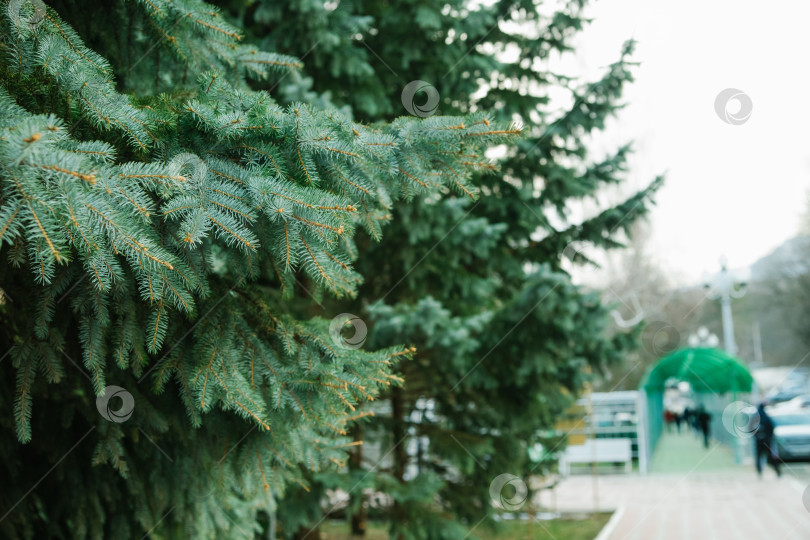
x=165 y=228
x=505 y=341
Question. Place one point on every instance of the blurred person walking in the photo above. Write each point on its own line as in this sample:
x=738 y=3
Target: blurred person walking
x=669 y=419
x=704 y=420
x=763 y=442
x=688 y=419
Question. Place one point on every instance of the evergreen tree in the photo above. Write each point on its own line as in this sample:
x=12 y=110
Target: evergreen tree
x=505 y=341
x=166 y=226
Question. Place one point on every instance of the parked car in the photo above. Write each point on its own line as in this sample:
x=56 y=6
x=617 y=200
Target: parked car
x=785 y=393
x=796 y=404
x=791 y=434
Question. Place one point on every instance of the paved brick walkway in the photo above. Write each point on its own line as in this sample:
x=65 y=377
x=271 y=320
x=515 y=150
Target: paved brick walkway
x=696 y=494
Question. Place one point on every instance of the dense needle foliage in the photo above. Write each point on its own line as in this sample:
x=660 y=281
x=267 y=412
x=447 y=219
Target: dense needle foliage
x=162 y=220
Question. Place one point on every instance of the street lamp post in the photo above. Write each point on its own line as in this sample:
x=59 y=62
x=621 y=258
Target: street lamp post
x=724 y=288
x=703 y=338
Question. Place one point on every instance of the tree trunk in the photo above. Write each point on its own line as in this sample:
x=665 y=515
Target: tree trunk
x=360 y=516
x=307 y=533
x=400 y=452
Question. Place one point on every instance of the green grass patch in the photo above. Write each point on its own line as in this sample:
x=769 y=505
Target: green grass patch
x=579 y=527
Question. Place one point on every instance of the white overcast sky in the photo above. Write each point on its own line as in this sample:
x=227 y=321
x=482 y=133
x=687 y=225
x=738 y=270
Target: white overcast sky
x=733 y=190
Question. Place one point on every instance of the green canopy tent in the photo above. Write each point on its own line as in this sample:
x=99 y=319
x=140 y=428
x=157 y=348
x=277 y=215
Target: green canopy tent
x=708 y=371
